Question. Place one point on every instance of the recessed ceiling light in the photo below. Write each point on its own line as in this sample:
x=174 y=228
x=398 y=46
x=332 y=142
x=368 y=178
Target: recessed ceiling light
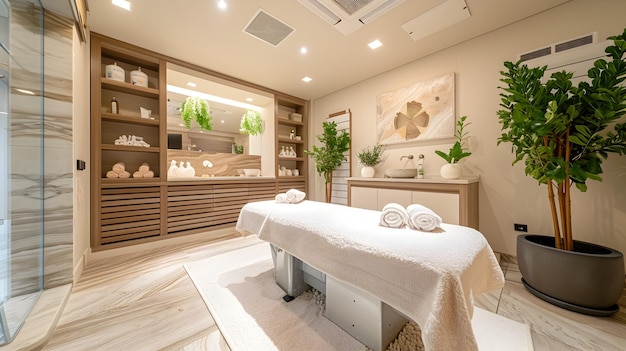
x=249 y=99
x=303 y=50
x=307 y=79
x=125 y=4
x=222 y=121
x=375 y=44
x=222 y=4
x=191 y=84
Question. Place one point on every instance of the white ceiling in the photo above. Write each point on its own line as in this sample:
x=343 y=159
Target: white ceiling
x=198 y=32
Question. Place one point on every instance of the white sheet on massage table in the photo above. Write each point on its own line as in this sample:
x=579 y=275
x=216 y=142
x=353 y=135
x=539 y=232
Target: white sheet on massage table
x=430 y=277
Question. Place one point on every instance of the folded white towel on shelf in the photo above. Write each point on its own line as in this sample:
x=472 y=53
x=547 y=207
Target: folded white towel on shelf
x=423 y=218
x=144 y=168
x=119 y=167
x=394 y=215
x=292 y=196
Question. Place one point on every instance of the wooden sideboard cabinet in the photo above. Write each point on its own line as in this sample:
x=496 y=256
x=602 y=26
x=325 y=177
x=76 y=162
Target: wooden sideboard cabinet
x=456 y=201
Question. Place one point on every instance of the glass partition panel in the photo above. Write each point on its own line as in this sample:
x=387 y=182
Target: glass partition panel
x=21 y=154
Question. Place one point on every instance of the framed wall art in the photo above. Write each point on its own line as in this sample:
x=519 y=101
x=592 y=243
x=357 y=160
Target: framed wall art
x=422 y=111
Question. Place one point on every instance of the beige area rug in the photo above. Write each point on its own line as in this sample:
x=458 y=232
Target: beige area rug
x=239 y=289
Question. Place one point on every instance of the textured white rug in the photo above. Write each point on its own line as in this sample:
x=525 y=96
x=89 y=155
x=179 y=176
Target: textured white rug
x=240 y=291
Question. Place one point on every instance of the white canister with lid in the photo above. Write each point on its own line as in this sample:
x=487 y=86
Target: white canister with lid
x=115 y=72
x=139 y=78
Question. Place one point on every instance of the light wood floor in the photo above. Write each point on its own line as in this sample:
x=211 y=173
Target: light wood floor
x=146 y=301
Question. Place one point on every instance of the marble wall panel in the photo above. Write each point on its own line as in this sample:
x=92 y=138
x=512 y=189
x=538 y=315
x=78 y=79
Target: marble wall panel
x=58 y=155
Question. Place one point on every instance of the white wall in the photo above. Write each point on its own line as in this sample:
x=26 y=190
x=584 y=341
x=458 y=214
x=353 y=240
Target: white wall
x=507 y=196
x=81 y=142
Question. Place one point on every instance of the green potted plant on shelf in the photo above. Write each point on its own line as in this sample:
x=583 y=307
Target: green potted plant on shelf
x=329 y=156
x=452 y=170
x=369 y=159
x=563 y=132
x=196 y=109
x=251 y=123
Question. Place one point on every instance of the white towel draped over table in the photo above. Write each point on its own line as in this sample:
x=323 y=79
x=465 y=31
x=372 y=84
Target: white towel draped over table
x=430 y=278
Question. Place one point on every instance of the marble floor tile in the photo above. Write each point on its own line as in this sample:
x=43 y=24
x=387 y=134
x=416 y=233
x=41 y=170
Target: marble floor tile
x=145 y=301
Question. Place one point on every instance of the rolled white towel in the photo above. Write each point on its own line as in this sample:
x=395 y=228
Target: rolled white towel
x=423 y=218
x=112 y=175
x=144 y=168
x=119 y=167
x=295 y=196
x=281 y=198
x=393 y=215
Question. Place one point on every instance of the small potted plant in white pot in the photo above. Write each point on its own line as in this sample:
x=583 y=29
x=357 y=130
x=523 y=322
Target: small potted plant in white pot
x=452 y=169
x=369 y=159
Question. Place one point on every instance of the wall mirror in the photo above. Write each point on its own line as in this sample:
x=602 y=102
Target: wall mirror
x=228 y=101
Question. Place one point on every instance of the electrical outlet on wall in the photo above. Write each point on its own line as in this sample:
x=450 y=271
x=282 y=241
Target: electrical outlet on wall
x=520 y=227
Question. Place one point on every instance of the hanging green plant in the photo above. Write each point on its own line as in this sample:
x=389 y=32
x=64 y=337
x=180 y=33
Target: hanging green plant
x=251 y=123
x=196 y=109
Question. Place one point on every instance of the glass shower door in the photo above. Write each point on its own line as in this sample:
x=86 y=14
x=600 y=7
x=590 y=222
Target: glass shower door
x=21 y=155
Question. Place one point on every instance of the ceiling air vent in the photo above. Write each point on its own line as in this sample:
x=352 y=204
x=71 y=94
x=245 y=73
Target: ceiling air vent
x=535 y=54
x=438 y=18
x=267 y=28
x=574 y=43
x=348 y=16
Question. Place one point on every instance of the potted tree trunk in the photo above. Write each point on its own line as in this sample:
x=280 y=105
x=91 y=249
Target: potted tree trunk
x=329 y=157
x=563 y=132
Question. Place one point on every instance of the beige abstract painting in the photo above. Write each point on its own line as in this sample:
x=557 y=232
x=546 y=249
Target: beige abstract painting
x=422 y=111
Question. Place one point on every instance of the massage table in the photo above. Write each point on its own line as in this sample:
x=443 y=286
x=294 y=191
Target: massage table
x=429 y=277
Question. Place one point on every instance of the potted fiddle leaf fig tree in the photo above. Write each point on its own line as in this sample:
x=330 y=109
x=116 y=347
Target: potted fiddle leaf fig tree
x=329 y=156
x=563 y=132
x=196 y=109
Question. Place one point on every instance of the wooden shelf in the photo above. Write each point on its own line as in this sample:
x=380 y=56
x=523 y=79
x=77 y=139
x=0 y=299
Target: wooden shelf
x=291 y=158
x=290 y=141
x=113 y=147
x=288 y=122
x=111 y=117
x=290 y=178
x=108 y=182
x=129 y=88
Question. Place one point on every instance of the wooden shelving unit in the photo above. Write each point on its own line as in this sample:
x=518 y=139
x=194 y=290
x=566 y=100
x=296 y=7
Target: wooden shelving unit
x=285 y=105
x=130 y=208
x=137 y=210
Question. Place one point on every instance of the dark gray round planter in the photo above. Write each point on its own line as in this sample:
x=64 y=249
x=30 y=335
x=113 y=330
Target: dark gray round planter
x=588 y=280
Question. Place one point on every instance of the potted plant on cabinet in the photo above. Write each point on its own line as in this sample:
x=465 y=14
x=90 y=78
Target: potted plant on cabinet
x=329 y=157
x=251 y=123
x=452 y=170
x=563 y=132
x=369 y=159
x=196 y=109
